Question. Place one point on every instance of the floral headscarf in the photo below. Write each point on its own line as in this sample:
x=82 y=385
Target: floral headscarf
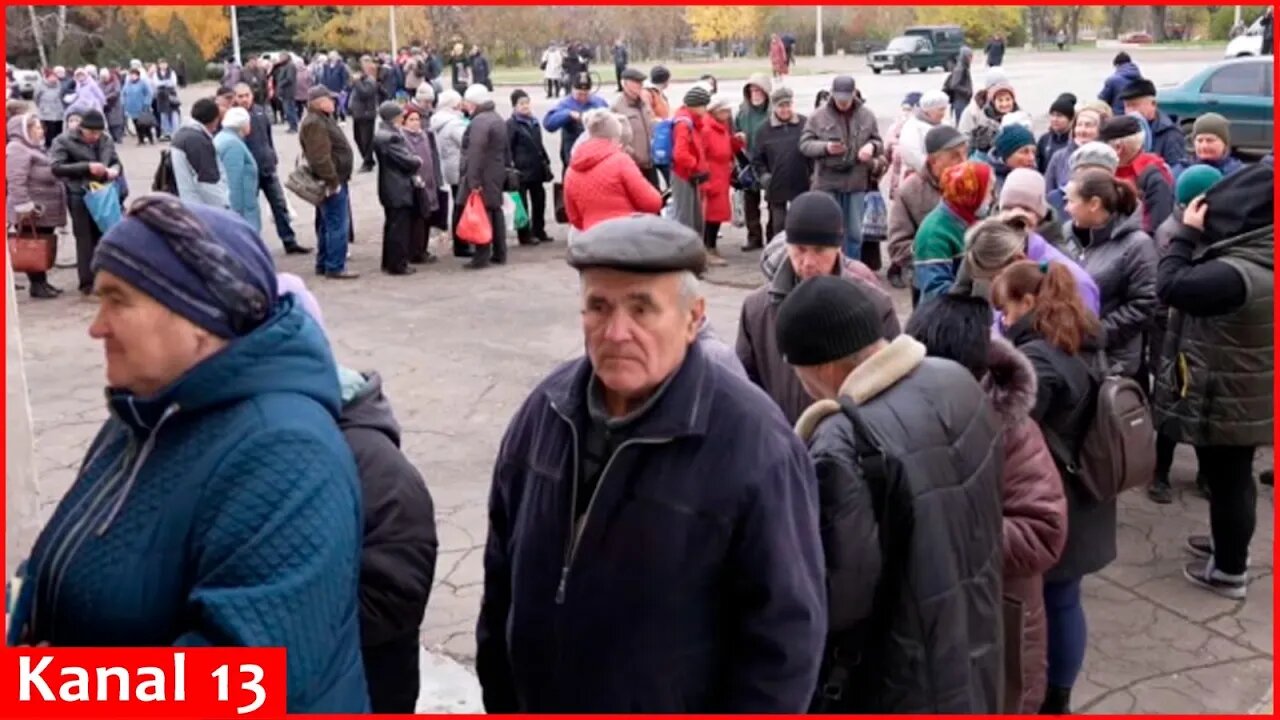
x=965 y=188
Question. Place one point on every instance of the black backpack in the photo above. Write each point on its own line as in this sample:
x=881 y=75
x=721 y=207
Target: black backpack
x=164 y=180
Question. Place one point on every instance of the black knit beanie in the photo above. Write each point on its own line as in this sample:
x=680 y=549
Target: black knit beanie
x=814 y=218
x=1065 y=105
x=824 y=319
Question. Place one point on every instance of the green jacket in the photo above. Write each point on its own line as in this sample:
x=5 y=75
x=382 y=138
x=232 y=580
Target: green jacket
x=938 y=249
x=751 y=118
x=1214 y=385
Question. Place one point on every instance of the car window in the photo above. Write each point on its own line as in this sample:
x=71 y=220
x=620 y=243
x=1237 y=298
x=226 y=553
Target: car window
x=1237 y=79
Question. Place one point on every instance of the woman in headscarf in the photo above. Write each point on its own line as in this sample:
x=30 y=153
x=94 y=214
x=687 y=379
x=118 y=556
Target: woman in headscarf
x=33 y=195
x=448 y=125
x=719 y=145
x=50 y=106
x=239 y=165
x=219 y=504
x=967 y=194
x=1084 y=129
x=112 y=107
x=87 y=95
x=422 y=143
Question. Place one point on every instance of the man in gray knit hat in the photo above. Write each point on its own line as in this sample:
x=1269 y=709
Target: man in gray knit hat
x=675 y=474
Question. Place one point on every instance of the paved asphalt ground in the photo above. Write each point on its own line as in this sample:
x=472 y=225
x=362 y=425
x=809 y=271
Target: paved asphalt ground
x=459 y=352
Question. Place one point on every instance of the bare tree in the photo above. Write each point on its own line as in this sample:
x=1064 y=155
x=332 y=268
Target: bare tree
x=1160 y=22
x=61 y=35
x=1115 y=19
x=35 y=31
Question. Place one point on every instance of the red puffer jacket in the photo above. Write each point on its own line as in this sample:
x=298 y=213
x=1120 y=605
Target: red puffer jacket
x=719 y=145
x=1035 y=518
x=604 y=183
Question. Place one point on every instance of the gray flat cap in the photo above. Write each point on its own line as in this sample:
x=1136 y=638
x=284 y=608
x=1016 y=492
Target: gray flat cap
x=640 y=243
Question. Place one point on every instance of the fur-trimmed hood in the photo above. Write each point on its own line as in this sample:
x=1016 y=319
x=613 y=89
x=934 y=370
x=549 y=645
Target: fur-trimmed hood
x=1010 y=382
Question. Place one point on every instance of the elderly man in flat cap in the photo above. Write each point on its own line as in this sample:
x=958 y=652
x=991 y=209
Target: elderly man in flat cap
x=653 y=522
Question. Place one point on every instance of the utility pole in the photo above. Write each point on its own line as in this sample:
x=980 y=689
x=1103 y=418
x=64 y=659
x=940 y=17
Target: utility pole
x=1237 y=22
x=394 y=43
x=817 y=45
x=235 y=36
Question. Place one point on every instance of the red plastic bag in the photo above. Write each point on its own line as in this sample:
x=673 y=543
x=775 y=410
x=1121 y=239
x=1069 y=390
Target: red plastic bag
x=473 y=226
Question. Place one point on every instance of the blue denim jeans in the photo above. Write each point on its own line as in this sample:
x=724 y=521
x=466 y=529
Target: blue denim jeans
x=291 y=114
x=333 y=226
x=1068 y=632
x=169 y=122
x=851 y=207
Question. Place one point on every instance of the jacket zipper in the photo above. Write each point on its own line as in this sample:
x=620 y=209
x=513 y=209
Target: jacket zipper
x=132 y=465
x=575 y=534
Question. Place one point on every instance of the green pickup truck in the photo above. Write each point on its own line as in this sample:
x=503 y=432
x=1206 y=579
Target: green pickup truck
x=919 y=48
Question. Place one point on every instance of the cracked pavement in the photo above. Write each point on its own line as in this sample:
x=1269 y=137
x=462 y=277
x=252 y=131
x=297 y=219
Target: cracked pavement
x=459 y=352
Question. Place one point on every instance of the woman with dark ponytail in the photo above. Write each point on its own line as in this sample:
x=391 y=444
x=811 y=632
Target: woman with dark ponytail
x=1046 y=320
x=1105 y=235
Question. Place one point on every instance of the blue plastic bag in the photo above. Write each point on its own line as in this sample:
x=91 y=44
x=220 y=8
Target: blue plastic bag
x=103 y=202
x=875 y=218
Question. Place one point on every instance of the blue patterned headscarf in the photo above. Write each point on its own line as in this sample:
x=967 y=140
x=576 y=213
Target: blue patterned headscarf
x=205 y=264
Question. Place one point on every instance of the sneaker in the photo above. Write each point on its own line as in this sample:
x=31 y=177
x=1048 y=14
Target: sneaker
x=894 y=276
x=296 y=249
x=342 y=275
x=1210 y=578
x=752 y=246
x=1201 y=546
x=714 y=259
x=1160 y=492
x=43 y=291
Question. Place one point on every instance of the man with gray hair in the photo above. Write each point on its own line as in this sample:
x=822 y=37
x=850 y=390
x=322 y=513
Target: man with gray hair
x=653 y=521
x=1147 y=172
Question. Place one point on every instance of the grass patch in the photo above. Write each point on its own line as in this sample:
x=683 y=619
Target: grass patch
x=738 y=69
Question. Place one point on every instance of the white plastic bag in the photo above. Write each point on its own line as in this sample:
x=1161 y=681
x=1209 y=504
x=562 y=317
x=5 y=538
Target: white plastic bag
x=739 y=209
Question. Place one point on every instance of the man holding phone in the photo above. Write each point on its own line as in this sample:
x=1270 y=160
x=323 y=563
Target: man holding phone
x=844 y=140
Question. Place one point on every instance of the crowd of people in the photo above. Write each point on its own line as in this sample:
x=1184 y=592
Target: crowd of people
x=837 y=513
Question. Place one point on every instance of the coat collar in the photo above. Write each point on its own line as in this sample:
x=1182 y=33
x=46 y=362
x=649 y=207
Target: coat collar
x=1010 y=382
x=682 y=411
x=879 y=373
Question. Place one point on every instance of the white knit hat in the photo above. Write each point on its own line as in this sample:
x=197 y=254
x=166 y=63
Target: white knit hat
x=235 y=118
x=477 y=94
x=448 y=100
x=721 y=101
x=933 y=100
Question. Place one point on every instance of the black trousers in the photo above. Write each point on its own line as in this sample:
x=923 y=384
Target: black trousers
x=553 y=88
x=777 y=218
x=363 y=131
x=1233 y=504
x=396 y=229
x=534 y=197
x=52 y=129
x=495 y=251
x=419 y=237
x=87 y=236
x=617 y=73
x=651 y=174
x=710 y=231
x=755 y=233
x=391 y=675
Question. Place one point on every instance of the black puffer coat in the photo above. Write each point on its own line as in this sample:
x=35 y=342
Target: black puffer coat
x=397 y=168
x=398 y=554
x=1063 y=387
x=932 y=642
x=527 y=151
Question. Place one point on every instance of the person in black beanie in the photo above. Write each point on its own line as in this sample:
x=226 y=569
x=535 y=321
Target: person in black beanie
x=887 y=416
x=1125 y=72
x=529 y=156
x=1061 y=114
x=1167 y=139
x=809 y=247
x=81 y=155
x=196 y=168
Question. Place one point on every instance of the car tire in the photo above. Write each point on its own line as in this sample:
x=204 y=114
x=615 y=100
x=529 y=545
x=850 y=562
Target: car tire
x=924 y=69
x=904 y=67
x=875 y=71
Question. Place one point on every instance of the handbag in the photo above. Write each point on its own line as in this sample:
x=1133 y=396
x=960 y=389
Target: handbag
x=875 y=218
x=512 y=180
x=439 y=219
x=304 y=183
x=473 y=226
x=557 y=200
x=103 y=203
x=31 y=251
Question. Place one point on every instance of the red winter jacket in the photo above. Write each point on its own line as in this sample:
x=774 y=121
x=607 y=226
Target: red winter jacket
x=719 y=144
x=687 y=156
x=604 y=183
x=1034 y=509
